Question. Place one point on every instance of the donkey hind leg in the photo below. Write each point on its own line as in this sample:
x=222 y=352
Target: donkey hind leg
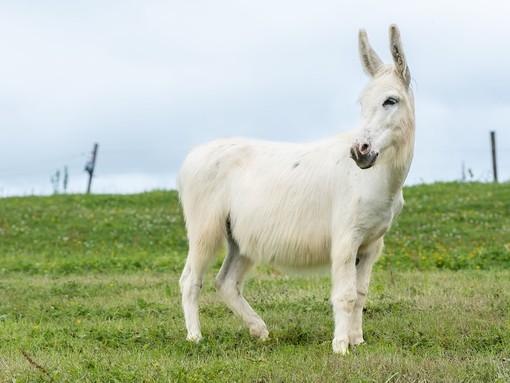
x=192 y=276
x=366 y=259
x=229 y=283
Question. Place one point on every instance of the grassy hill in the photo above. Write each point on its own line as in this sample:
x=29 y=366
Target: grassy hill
x=447 y=225
x=89 y=292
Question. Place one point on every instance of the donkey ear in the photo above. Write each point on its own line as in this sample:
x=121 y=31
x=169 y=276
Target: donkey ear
x=398 y=55
x=369 y=59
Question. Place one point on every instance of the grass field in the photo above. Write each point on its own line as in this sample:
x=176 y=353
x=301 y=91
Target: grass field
x=89 y=293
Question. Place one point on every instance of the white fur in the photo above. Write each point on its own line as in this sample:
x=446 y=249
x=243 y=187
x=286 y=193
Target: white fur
x=302 y=205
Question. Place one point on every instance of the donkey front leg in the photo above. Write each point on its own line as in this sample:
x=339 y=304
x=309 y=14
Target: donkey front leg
x=367 y=255
x=343 y=297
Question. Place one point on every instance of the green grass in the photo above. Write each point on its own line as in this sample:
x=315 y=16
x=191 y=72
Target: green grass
x=89 y=292
x=80 y=234
x=453 y=226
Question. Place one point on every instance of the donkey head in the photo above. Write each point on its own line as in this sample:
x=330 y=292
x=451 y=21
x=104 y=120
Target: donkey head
x=386 y=130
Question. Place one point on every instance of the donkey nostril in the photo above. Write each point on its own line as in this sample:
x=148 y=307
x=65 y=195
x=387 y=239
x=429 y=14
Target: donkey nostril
x=364 y=148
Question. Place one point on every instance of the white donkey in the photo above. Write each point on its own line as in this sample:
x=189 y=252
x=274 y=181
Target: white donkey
x=303 y=205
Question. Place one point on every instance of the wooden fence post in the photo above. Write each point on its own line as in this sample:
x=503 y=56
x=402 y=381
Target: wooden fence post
x=494 y=164
x=89 y=167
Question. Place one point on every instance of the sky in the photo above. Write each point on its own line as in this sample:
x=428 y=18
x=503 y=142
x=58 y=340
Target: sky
x=149 y=80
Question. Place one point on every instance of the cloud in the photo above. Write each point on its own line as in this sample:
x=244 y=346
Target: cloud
x=149 y=80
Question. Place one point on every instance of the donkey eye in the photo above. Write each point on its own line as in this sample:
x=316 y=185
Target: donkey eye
x=390 y=101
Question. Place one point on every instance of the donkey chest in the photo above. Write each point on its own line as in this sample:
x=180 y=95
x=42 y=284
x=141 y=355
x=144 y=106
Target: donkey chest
x=378 y=218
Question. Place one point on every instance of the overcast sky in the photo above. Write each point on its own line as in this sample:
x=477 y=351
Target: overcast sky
x=148 y=80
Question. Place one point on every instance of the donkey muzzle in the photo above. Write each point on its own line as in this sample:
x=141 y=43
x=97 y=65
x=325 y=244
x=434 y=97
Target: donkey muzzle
x=363 y=155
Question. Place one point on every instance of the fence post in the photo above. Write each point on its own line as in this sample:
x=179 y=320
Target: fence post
x=89 y=167
x=494 y=164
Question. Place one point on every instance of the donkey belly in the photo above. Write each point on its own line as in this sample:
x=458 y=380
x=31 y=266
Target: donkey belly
x=282 y=243
x=289 y=229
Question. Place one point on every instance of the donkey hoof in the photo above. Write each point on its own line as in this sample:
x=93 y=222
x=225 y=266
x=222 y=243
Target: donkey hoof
x=195 y=338
x=259 y=332
x=356 y=338
x=340 y=346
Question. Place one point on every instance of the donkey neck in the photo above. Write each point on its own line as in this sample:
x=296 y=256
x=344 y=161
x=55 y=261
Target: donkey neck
x=386 y=178
x=399 y=155
x=397 y=177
